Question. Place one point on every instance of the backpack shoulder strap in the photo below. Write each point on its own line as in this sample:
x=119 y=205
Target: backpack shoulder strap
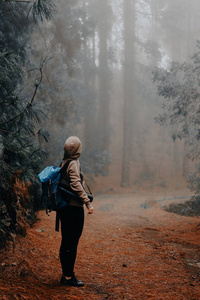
x=62 y=171
x=66 y=165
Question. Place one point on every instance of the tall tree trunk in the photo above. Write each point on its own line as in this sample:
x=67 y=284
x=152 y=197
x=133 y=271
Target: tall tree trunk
x=89 y=83
x=89 y=105
x=103 y=121
x=129 y=38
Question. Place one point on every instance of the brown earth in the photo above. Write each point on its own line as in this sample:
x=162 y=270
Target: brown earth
x=130 y=249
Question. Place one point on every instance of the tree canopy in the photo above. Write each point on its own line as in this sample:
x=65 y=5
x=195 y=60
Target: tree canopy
x=180 y=87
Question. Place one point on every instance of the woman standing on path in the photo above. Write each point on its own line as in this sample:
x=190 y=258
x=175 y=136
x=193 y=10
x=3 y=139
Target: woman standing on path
x=72 y=215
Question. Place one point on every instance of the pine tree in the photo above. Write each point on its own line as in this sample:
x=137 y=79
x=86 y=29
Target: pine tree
x=21 y=154
x=179 y=87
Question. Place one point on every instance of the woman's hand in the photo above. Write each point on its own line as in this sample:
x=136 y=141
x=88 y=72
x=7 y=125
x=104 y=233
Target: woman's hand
x=90 y=208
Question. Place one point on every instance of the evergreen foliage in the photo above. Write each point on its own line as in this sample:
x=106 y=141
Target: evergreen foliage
x=180 y=87
x=21 y=154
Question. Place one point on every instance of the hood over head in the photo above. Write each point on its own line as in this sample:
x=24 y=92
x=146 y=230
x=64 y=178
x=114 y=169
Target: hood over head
x=72 y=147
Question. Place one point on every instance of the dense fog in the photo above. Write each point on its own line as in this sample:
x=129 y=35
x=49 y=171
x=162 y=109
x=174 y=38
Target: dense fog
x=98 y=84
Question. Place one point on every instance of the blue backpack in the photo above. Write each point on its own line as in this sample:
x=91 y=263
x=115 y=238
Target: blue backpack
x=55 y=195
x=51 y=197
x=52 y=194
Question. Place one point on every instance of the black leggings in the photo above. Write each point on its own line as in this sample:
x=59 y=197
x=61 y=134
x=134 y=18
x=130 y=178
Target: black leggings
x=72 y=221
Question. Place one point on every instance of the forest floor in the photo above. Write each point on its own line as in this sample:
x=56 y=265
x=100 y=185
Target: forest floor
x=131 y=248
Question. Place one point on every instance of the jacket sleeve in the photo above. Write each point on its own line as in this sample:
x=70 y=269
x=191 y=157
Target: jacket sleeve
x=75 y=181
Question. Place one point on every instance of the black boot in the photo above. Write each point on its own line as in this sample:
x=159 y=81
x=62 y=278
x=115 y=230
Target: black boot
x=71 y=282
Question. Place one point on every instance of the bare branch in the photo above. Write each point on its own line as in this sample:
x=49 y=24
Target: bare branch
x=148 y=14
x=37 y=84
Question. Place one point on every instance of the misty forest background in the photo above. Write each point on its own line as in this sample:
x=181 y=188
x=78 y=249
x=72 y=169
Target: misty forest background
x=110 y=72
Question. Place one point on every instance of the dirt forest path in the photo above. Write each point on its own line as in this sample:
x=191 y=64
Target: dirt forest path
x=130 y=249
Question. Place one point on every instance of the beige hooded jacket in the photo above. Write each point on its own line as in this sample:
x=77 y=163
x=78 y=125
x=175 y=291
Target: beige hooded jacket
x=72 y=151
